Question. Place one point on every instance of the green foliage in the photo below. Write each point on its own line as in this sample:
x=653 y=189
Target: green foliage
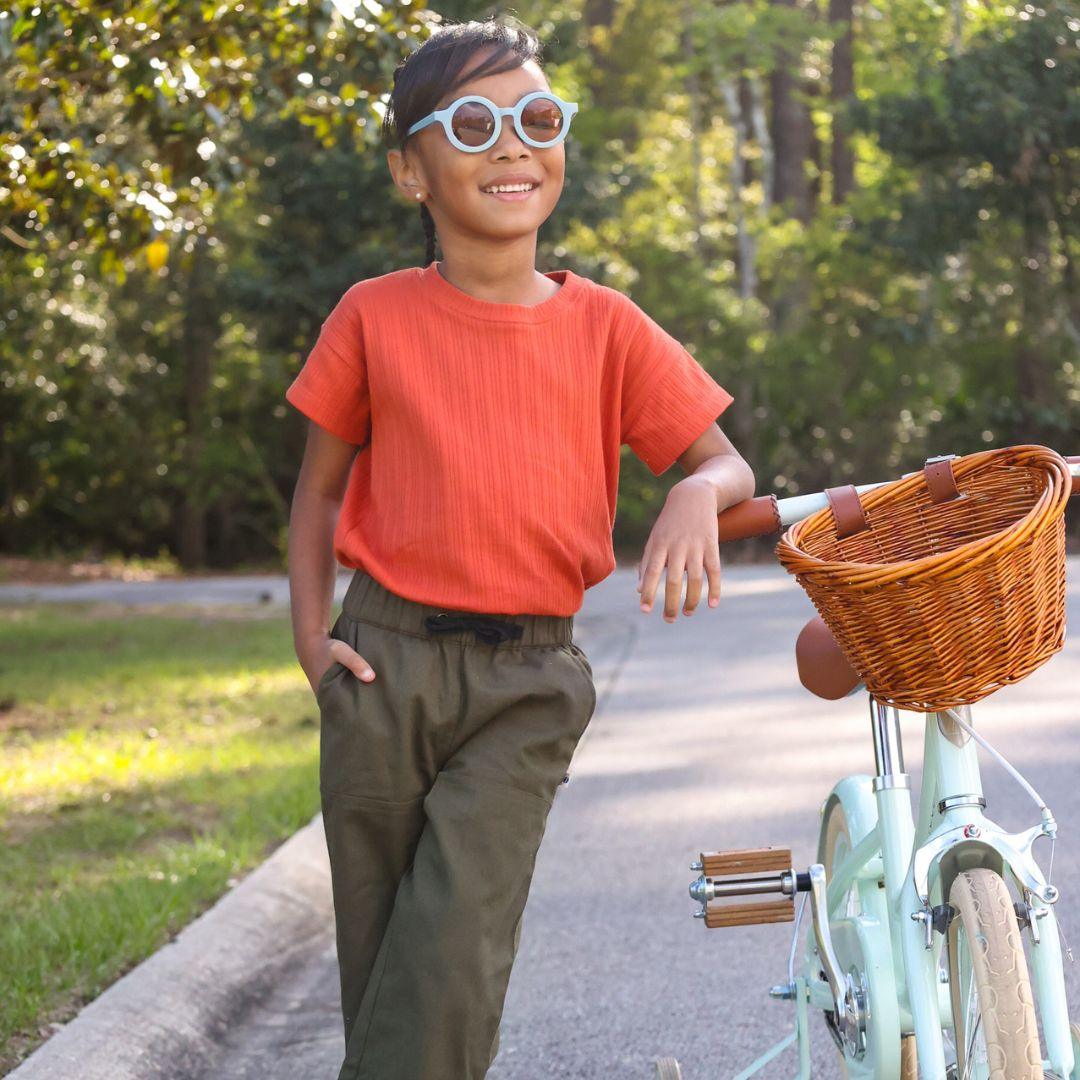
x=934 y=309
x=149 y=761
x=120 y=118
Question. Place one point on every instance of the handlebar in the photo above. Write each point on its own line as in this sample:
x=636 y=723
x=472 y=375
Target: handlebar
x=767 y=514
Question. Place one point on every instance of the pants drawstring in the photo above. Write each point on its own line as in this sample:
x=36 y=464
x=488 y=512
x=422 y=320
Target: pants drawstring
x=488 y=629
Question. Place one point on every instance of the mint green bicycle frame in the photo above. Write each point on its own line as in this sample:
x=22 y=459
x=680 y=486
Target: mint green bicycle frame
x=888 y=951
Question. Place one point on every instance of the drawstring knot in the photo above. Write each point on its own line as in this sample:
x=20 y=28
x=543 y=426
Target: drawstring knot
x=488 y=629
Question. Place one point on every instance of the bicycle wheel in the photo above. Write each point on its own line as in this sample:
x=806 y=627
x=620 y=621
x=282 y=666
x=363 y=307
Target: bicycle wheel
x=833 y=846
x=995 y=1034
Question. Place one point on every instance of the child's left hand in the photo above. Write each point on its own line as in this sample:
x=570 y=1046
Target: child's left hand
x=684 y=538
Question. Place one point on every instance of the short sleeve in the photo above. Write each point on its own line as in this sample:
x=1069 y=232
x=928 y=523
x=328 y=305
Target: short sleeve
x=332 y=386
x=668 y=398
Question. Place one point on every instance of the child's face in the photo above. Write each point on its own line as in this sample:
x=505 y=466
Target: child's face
x=451 y=180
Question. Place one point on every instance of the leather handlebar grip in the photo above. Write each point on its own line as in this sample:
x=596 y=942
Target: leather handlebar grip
x=751 y=517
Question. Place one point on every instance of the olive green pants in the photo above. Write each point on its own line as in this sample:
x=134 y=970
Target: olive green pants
x=437 y=779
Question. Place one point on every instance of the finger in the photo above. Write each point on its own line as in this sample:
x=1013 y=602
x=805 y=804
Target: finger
x=712 y=568
x=641 y=568
x=358 y=666
x=673 y=588
x=651 y=579
x=694 y=579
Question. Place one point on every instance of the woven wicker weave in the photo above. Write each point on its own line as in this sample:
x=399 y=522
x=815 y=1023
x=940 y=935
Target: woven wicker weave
x=938 y=604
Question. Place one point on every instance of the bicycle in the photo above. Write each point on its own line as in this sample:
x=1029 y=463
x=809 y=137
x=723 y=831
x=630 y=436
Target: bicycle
x=915 y=955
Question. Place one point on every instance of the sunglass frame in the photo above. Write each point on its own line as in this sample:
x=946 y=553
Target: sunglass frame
x=445 y=116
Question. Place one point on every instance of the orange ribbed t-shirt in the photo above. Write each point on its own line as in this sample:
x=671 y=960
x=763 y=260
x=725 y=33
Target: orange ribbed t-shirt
x=489 y=433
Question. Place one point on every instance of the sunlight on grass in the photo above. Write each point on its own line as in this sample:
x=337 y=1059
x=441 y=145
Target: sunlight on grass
x=80 y=762
x=149 y=761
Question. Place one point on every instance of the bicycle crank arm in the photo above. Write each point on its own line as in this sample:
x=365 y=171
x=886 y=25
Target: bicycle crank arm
x=819 y=911
x=764 y=871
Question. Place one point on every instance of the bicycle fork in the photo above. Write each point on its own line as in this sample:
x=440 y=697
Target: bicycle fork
x=962 y=839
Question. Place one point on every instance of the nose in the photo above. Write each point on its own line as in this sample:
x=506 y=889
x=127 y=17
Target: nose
x=509 y=139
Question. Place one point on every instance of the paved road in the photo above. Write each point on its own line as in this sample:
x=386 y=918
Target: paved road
x=703 y=739
x=237 y=589
x=706 y=740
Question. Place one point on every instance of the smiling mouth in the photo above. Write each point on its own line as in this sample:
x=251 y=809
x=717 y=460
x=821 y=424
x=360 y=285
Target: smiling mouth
x=511 y=196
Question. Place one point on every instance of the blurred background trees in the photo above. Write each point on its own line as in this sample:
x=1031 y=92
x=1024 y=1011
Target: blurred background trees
x=860 y=218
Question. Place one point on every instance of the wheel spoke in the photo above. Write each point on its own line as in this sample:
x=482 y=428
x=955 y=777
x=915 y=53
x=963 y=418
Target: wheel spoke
x=971 y=1015
x=971 y=1047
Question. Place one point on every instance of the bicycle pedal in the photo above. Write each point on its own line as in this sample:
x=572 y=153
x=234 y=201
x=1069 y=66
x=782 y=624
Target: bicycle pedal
x=741 y=872
x=772 y=911
x=745 y=861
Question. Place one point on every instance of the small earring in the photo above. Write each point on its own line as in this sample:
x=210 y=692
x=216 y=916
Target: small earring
x=419 y=194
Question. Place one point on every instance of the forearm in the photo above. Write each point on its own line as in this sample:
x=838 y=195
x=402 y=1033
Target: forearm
x=730 y=478
x=312 y=568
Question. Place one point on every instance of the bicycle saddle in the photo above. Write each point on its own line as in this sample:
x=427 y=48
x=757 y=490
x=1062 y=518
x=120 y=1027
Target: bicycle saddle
x=823 y=668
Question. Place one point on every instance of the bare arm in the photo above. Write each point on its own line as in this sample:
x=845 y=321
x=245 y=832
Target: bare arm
x=713 y=457
x=320 y=488
x=684 y=538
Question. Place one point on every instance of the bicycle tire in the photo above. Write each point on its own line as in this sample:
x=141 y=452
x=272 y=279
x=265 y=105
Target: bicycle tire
x=998 y=973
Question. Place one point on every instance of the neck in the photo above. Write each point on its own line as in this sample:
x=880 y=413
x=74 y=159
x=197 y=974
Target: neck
x=508 y=277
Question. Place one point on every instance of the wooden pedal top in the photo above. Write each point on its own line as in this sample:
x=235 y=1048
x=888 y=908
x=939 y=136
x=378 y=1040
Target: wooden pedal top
x=745 y=861
x=739 y=914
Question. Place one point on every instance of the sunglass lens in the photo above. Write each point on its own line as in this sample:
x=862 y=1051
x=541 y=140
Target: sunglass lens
x=473 y=123
x=542 y=119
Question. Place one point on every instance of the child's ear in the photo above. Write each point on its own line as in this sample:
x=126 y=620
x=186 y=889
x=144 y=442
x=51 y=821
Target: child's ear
x=394 y=163
x=404 y=176
x=397 y=166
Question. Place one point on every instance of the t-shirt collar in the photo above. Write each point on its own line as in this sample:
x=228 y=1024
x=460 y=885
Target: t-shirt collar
x=439 y=291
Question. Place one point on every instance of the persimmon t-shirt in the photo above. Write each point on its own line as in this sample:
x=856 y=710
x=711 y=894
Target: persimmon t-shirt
x=489 y=434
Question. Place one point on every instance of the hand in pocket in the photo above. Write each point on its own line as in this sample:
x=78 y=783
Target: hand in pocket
x=341 y=652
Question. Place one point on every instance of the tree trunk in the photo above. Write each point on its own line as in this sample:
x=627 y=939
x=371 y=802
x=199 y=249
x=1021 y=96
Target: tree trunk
x=842 y=91
x=791 y=134
x=1035 y=375
x=197 y=341
x=693 y=94
x=760 y=128
x=816 y=155
x=743 y=417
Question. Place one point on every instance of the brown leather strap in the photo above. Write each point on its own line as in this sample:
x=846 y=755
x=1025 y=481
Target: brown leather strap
x=940 y=481
x=847 y=511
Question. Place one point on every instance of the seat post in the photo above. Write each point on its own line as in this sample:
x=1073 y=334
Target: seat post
x=888 y=747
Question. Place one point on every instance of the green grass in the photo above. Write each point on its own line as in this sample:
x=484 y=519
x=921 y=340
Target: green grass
x=149 y=760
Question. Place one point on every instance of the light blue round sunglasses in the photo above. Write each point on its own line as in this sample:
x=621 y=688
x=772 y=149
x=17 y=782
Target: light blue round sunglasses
x=473 y=123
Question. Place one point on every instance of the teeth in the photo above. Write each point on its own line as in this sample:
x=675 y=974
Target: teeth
x=509 y=187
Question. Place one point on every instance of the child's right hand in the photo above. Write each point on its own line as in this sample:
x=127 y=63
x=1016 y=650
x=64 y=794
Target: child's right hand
x=346 y=655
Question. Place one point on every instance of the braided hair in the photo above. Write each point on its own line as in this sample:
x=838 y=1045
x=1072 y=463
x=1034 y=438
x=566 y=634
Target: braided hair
x=436 y=68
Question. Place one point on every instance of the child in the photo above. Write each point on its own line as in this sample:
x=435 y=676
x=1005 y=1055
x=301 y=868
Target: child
x=467 y=423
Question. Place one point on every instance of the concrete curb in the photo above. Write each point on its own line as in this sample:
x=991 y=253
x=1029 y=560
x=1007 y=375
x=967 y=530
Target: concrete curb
x=167 y=1017
x=213 y=1002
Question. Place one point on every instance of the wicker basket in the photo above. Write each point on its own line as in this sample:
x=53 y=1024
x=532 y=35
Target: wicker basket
x=947 y=584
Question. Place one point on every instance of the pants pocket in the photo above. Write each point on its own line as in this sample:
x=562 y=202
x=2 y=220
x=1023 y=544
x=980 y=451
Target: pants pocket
x=335 y=669
x=578 y=655
x=339 y=632
x=378 y=739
